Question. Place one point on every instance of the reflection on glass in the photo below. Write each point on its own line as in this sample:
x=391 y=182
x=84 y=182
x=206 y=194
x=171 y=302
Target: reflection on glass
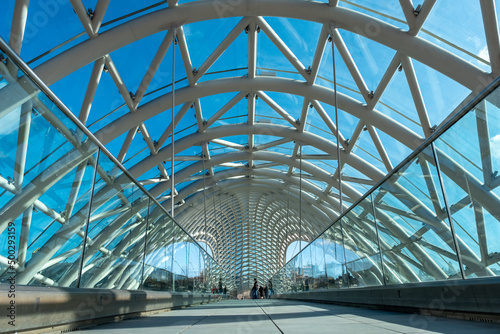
x=415 y=233
x=335 y=256
x=436 y=218
x=77 y=220
x=361 y=246
x=42 y=149
x=468 y=155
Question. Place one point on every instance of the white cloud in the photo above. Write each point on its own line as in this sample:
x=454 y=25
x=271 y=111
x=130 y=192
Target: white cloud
x=296 y=36
x=495 y=147
x=483 y=53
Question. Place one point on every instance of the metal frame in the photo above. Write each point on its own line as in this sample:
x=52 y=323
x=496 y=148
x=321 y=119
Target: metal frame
x=99 y=46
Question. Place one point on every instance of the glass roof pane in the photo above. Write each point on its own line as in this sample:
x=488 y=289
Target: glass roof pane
x=372 y=59
x=399 y=104
x=387 y=11
x=441 y=94
x=447 y=25
x=8 y=12
x=43 y=32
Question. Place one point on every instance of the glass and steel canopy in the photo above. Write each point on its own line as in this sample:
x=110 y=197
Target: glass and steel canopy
x=285 y=112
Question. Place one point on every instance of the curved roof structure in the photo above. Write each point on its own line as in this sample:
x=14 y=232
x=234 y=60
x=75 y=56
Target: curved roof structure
x=264 y=118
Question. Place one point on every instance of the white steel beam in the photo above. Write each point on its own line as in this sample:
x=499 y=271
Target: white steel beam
x=252 y=50
x=186 y=59
x=386 y=78
x=24 y=236
x=318 y=54
x=49 y=212
x=206 y=156
x=422 y=16
x=198 y=113
x=84 y=17
x=18 y=25
x=351 y=65
x=228 y=144
x=303 y=114
x=276 y=107
x=490 y=22
x=222 y=47
x=484 y=142
x=407 y=7
x=275 y=143
x=152 y=181
x=99 y=12
x=15 y=94
x=417 y=95
x=225 y=109
x=75 y=188
x=6 y=262
x=380 y=148
x=251 y=122
x=219 y=86
x=328 y=121
x=153 y=67
x=22 y=144
x=95 y=77
x=481 y=233
x=126 y=143
x=147 y=138
x=417 y=48
x=431 y=187
x=113 y=71
x=180 y=114
x=44 y=280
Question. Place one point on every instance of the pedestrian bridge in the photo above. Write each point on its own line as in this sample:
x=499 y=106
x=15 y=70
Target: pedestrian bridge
x=161 y=155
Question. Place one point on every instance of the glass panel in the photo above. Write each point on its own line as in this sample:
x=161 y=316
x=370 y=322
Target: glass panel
x=156 y=275
x=175 y=252
x=415 y=234
x=40 y=148
x=319 y=279
x=361 y=243
x=181 y=256
x=305 y=269
x=412 y=228
x=44 y=231
x=115 y=245
x=334 y=256
x=64 y=265
x=468 y=155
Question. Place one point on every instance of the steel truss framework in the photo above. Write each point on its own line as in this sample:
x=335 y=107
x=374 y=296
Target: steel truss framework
x=251 y=202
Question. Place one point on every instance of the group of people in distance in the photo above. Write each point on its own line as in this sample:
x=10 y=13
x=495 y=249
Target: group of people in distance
x=220 y=290
x=259 y=292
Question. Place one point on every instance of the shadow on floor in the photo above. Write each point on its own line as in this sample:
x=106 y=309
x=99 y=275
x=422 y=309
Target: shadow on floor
x=286 y=313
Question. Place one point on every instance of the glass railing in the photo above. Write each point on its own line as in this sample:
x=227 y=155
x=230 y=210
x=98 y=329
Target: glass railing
x=435 y=217
x=70 y=214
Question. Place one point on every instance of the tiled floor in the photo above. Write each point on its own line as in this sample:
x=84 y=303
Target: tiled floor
x=280 y=316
